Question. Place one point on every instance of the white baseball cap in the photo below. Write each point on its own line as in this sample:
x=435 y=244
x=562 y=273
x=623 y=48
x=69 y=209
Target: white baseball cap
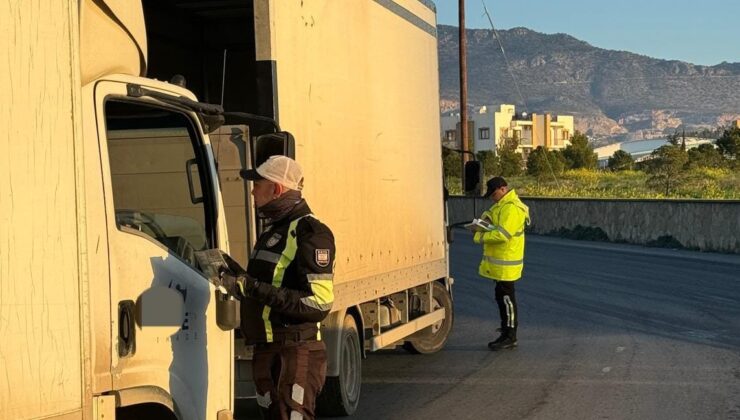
x=278 y=169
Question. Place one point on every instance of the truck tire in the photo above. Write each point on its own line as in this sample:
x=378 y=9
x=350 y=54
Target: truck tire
x=433 y=338
x=341 y=394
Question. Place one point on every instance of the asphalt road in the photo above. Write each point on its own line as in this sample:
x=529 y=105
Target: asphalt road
x=606 y=332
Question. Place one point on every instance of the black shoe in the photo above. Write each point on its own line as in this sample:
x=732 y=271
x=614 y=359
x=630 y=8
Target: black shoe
x=502 y=343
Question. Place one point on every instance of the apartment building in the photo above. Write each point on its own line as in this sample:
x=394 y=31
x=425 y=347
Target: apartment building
x=533 y=130
x=489 y=129
x=480 y=129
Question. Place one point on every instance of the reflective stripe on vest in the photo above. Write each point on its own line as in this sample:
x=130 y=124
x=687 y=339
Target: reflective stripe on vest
x=267 y=256
x=285 y=258
x=507 y=234
x=503 y=262
x=504 y=232
x=322 y=289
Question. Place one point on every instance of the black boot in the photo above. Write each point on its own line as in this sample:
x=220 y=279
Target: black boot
x=505 y=341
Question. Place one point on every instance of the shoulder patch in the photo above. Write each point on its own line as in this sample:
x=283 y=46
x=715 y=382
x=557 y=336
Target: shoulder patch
x=274 y=239
x=323 y=257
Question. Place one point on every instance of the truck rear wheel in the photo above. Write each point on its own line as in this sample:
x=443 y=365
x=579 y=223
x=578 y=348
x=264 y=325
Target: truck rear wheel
x=434 y=337
x=341 y=394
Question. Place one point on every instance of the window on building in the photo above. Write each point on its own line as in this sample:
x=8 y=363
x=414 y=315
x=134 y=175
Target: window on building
x=484 y=133
x=450 y=135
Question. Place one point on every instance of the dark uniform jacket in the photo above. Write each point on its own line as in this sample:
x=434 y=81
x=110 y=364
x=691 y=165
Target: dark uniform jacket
x=293 y=261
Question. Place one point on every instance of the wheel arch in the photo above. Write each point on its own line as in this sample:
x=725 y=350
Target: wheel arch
x=133 y=402
x=331 y=333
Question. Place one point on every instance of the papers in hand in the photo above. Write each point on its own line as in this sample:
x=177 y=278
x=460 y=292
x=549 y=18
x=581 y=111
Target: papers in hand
x=211 y=262
x=479 y=225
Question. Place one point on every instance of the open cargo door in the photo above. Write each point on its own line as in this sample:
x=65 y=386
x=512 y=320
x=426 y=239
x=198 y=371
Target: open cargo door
x=232 y=152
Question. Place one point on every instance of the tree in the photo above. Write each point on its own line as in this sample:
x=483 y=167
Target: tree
x=706 y=156
x=490 y=162
x=666 y=167
x=580 y=154
x=729 y=143
x=674 y=139
x=511 y=162
x=621 y=161
x=542 y=163
x=451 y=163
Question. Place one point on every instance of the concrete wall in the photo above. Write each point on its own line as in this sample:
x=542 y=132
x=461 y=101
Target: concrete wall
x=696 y=224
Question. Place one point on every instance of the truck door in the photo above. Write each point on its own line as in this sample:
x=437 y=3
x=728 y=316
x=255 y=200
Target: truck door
x=162 y=205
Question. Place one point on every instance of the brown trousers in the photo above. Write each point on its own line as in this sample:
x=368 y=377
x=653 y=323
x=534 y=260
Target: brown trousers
x=289 y=377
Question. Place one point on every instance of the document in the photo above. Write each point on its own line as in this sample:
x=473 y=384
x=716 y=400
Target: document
x=479 y=225
x=212 y=262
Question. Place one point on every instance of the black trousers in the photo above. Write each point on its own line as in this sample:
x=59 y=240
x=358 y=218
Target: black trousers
x=506 y=300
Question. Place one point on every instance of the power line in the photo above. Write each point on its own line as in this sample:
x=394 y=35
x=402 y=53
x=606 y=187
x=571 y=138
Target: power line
x=506 y=59
x=516 y=84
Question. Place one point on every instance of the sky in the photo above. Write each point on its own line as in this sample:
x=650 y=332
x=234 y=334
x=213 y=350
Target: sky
x=705 y=32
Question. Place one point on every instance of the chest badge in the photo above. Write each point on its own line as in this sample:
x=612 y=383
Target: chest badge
x=322 y=257
x=274 y=239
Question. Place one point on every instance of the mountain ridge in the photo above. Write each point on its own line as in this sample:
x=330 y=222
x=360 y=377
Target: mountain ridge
x=613 y=94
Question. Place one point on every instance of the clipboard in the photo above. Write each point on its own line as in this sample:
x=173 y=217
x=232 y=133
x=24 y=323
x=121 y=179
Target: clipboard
x=479 y=225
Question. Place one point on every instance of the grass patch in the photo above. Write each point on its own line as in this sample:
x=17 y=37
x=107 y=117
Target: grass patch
x=700 y=183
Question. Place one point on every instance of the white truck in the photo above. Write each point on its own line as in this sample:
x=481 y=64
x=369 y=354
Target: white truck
x=109 y=182
x=103 y=313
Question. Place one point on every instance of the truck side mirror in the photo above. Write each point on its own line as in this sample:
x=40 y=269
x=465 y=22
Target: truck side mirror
x=227 y=311
x=271 y=144
x=472 y=177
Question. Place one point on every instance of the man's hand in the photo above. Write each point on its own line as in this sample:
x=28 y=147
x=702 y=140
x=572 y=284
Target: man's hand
x=234 y=278
x=234 y=266
x=239 y=286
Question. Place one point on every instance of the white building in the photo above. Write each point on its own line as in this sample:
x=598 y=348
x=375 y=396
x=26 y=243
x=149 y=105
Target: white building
x=488 y=128
x=481 y=129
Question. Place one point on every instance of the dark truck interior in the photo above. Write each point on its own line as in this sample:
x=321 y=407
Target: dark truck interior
x=212 y=44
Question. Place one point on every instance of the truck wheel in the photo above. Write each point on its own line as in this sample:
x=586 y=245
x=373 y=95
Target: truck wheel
x=341 y=394
x=434 y=337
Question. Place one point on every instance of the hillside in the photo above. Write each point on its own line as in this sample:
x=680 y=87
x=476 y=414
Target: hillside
x=611 y=93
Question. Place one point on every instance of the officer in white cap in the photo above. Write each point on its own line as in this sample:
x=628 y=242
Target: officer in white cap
x=286 y=290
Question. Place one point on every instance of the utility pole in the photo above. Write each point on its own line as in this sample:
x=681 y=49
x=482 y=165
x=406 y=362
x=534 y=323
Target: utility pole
x=464 y=145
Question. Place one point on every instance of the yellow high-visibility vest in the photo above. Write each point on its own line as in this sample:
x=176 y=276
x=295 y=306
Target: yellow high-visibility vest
x=503 y=247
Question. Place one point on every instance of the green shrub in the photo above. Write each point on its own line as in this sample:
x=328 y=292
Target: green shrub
x=665 y=241
x=581 y=233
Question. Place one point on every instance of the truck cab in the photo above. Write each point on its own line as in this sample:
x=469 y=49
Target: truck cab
x=109 y=187
x=161 y=200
